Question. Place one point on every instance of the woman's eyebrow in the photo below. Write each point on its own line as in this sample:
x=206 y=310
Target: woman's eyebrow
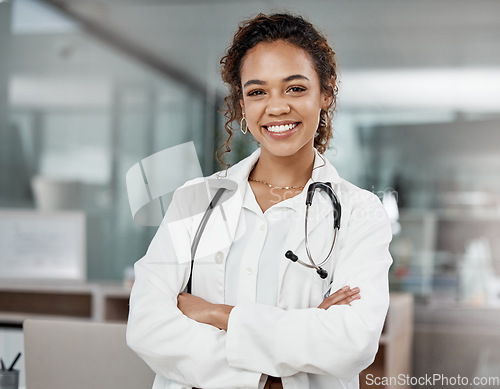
x=287 y=79
x=254 y=82
x=295 y=77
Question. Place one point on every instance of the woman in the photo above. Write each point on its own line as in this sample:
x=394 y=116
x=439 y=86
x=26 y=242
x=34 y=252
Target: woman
x=254 y=318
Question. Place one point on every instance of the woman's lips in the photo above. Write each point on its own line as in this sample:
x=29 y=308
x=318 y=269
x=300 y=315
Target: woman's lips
x=281 y=131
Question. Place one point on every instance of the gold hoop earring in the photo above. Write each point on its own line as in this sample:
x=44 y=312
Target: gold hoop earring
x=241 y=124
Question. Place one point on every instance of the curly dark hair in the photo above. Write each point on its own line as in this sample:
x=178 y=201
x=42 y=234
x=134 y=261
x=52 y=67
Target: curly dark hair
x=292 y=29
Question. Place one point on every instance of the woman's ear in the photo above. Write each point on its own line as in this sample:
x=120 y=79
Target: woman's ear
x=242 y=105
x=327 y=101
x=327 y=97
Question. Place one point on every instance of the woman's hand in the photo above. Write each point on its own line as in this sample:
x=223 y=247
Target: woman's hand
x=343 y=296
x=202 y=311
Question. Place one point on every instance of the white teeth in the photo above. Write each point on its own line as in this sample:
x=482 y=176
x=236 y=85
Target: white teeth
x=281 y=128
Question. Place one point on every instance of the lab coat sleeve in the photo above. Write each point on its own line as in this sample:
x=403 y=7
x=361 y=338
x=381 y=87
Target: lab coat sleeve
x=173 y=345
x=340 y=341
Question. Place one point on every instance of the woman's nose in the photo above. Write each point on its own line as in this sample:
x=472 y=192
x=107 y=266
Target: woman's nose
x=277 y=105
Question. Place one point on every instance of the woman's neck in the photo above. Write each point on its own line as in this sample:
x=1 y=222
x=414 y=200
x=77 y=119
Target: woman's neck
x=294 y=170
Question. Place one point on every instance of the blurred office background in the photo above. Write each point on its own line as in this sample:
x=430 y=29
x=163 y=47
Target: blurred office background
x=89 y=88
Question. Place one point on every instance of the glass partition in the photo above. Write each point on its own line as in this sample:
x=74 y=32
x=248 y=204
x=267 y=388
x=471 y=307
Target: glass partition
x=77 y=115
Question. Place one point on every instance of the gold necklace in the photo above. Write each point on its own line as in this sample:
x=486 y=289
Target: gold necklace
x=274 y=186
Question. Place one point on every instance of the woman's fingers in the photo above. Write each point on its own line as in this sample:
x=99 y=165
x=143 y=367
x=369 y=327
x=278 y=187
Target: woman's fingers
x=343 y=296
x=340 y=295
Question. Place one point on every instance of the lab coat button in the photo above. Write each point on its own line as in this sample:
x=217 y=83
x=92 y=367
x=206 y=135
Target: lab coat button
x=263 y=227
x=219 y=257
x=249 y=271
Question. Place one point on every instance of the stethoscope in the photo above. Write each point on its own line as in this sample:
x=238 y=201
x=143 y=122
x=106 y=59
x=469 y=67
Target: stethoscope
x=311 y=190
x=337 y=209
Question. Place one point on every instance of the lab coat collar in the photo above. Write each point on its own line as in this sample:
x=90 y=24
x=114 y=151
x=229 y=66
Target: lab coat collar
x=235 y=179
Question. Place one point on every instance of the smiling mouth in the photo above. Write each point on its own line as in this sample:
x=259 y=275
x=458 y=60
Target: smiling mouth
x=282 y=128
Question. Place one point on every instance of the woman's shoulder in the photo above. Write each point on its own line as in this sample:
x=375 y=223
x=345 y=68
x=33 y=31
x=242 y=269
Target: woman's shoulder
x=363 y=206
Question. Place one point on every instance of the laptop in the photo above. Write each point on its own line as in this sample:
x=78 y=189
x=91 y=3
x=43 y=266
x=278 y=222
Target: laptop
x=65 y=354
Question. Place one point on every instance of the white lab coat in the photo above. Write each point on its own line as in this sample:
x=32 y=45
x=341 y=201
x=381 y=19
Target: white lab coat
x=306 y=346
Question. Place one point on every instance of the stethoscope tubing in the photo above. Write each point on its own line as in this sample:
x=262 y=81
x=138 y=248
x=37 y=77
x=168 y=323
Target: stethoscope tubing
x=336 y=223
x=313 y=264
x=199 y=232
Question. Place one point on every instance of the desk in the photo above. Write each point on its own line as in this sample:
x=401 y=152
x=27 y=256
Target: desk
x=82 y=301
x=92 y=301
x=109 y=302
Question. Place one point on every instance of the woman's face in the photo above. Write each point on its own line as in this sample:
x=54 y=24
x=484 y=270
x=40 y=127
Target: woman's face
x=282 y=97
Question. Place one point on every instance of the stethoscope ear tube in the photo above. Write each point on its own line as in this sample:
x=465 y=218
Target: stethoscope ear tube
x=327 y=187
x=312 y=189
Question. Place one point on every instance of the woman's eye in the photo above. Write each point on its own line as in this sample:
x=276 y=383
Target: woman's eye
x=255 y=93
x=297 y=89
